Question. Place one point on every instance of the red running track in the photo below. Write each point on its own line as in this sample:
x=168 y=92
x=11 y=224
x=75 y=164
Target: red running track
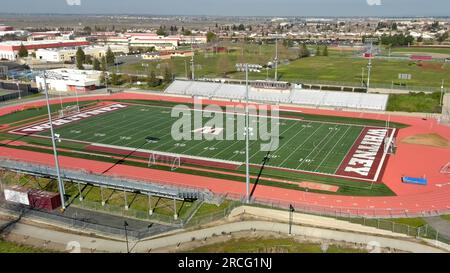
x=411 y=160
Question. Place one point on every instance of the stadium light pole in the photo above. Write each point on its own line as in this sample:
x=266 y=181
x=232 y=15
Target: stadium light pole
x=18 y=89
x=276 y=58
x=125 y=224
x=442 y=94
x=247 y=167
x=369 y=67
x=55 y=153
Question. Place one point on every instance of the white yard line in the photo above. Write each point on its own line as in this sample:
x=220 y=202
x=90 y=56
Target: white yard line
x=329 y=152
x=327 y=138
x=300 y=145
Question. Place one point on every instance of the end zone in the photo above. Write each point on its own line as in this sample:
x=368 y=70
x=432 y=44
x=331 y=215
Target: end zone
x=366 y=157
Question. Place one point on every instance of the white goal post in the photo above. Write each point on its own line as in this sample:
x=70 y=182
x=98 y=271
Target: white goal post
x=173 y=161
x=68 y=110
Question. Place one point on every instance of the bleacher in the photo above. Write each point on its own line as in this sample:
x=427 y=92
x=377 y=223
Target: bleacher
x=315 y=98
x=339 y=99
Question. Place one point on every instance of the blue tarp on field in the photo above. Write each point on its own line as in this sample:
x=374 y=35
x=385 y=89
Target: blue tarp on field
x=414 y=180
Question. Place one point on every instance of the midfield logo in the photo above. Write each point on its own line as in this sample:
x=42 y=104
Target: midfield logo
x=213 y=123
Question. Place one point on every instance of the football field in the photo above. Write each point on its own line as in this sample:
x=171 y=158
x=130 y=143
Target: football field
x=310 y=146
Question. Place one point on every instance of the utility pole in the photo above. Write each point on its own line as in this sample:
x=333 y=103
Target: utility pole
x=369 y=66
x=192 y=59
x=362 y=76
x=291 y=217
x=276 y=58
x=247 y=131
x=18 y=89
x=442 y=94
x=125 y=224
x=55 y=153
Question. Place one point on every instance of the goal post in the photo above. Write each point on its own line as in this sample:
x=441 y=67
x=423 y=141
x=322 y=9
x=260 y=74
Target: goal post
x=69 y=110
x=172 y=161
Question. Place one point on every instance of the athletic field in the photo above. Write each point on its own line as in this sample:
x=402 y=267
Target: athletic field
x=308 y=146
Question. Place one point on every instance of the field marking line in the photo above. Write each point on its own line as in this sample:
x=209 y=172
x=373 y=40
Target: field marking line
x=383 y=158
x=349 y=150
x=295 y=150
x=289 y=128
x=290 y=139
x=139 y=130
x=327 y=138
x=329 y=152
x=108 y=117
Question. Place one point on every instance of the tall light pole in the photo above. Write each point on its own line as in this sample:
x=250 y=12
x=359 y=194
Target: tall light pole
x=18 y=89
x=442 y=93
x=247 y=132
x=55 y=153
x=276 y=59
x=125 y=224
x=192 y=60
x=369 y=67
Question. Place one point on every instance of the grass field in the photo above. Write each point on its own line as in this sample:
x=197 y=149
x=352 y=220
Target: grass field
x=272 y=245
x=10 y=247
x=304 y=145
x=338 y=67
x=415 y=102
x=150 y=118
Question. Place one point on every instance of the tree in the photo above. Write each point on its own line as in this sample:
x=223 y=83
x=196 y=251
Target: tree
x=104 y=64
x=23 y=51
x=114 y=79
x=210 y=36
x=80 y=57
x=318 y=50
x=161 y=31
x=442 y=37
x=325 y=51
x=152 y=80
x=96 y=64
x=110 y=58
x=167 y=75
x=88 y=59
x=304 y=51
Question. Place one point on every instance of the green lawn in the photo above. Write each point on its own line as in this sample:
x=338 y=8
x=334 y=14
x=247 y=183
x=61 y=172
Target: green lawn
x=413 y=222
x=10 y=247
x=446 y=217
x=339 y=67
x=307 y=144
x=415 y=102
x=304 y=145
x=92 y=196
x=419 y=49
x=272 y=245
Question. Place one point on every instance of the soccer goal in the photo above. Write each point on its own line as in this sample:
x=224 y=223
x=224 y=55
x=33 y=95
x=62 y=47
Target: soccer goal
x=446 y=169
x=69 y=110
x=173 y=161
x=390 y=145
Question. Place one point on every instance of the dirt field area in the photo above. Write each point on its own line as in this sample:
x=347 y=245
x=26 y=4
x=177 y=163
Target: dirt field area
x=434 y=140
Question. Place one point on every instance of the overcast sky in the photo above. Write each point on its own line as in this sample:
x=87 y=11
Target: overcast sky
x=234 y=7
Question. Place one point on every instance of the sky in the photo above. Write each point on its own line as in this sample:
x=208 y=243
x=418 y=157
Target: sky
x=233 y=7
